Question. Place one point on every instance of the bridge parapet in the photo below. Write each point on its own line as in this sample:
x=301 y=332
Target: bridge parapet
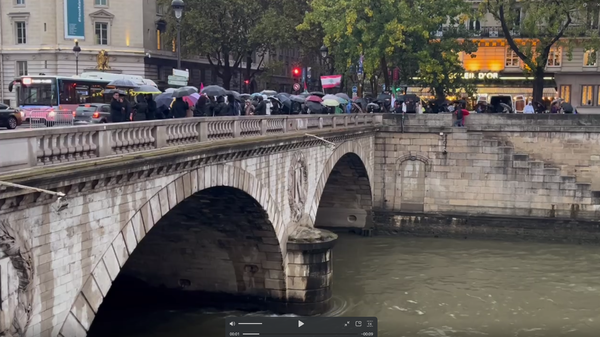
x=35 y=148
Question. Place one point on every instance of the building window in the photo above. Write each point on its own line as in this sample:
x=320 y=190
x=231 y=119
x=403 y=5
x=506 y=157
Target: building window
x=590 y=58
x=21 y=32
x=158 y=39
x=512 y=60
x=554 y=57
x=565 y=93
x=474 y=25
x=101 y=3
x=102 y=33
x=20 y=2
x=22 y=68
x=587 y=95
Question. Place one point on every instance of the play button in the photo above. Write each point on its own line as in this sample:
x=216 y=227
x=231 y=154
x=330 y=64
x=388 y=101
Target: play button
x=300 y=323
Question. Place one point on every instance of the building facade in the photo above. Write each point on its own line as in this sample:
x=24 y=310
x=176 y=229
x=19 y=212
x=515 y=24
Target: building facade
x=571 y=73
x=38 y=36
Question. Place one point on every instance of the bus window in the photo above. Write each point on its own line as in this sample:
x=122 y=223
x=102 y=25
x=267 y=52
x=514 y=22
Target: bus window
x=97 y=94
x=38 y=92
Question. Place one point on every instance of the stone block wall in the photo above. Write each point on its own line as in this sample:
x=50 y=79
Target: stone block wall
x=460 y=171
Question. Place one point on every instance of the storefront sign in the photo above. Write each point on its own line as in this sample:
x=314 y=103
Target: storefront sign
x=74 y=20
x=481 y=76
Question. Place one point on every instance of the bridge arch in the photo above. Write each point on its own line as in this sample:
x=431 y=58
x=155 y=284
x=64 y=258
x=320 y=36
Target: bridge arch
x=343 y=196
x=257 y=266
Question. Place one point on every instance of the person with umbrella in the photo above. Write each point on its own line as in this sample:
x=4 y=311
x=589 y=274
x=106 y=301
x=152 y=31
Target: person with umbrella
x=261 y=109
x=152 y=110
x=140 y=112
x=116 y=108
x=179 y=108
x=221 y=109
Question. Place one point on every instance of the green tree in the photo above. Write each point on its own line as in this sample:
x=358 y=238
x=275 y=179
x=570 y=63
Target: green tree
x=357 y=27
x=228 y=32
x=434 y=43
x=533 y=29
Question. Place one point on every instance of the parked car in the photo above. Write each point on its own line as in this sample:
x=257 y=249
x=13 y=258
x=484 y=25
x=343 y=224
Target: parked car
x=9 y=117
x=91 y=114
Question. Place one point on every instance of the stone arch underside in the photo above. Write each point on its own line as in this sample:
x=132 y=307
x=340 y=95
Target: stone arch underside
x=229 y=219
x=344 y=192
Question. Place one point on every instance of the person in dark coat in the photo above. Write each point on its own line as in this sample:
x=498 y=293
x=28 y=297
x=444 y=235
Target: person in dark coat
x=127 y=108
x=232 y=108
x=151 y=114
x=141 y=109
x=116 y=108
x=222 y=108
x=201 y=109
x=261 y=109
x=179 y=108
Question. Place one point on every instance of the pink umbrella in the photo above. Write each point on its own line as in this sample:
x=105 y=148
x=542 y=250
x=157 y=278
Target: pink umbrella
x=313 y=98
x=192 y=99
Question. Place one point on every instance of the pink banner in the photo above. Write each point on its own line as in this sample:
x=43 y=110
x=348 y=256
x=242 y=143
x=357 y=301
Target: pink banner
x=332 y=81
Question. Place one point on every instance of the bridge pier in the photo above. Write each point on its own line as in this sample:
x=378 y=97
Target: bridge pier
x=309 y=271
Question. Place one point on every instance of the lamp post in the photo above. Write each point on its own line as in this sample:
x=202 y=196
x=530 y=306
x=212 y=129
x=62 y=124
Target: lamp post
x=76 y=51
x=325 y=54
x=178 y=6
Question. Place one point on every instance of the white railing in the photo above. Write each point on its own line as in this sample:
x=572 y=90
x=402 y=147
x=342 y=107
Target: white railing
x=49 y=146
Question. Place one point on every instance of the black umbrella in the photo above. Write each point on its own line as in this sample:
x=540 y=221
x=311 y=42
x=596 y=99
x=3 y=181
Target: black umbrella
x=318 y=93
x=567 y=107
x=112 y=91
x=236 y=95
x=383 y=97
x=147 y=89
x=183 y=92
x=315 y=108
x=164 y=99
x=214 y=90
x=192 y=89
x=361 y=102
x=269 y=92
x=285 y=100
x=284 y=94
x=297 y=98
x=122 y=83
x=344 y=96
x=245 y=96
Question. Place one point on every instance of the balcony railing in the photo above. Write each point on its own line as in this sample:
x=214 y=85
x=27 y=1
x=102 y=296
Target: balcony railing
x=51 y=146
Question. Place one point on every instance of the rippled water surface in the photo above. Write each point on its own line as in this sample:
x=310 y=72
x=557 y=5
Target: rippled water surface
x=435 y=287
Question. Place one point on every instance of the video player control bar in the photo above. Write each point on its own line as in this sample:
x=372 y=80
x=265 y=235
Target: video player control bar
x=301 y=326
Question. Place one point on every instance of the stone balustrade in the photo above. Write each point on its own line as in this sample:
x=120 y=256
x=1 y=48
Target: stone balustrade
x=24 y=149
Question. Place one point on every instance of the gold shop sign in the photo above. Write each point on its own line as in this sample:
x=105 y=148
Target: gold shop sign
x=481 y=76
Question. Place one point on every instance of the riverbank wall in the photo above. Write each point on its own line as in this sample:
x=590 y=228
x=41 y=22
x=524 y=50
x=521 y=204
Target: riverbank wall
x=502 y=175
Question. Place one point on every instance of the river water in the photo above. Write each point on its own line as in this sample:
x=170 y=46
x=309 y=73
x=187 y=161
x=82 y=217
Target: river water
x=433 y=287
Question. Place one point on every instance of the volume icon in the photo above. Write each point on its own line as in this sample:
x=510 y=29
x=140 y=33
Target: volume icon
x=232 y=323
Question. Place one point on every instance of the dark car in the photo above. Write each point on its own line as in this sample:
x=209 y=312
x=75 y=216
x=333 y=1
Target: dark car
x=92 y=114
x=10 y=118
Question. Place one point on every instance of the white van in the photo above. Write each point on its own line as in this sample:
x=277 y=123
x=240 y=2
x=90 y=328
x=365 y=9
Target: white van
x=139 y=80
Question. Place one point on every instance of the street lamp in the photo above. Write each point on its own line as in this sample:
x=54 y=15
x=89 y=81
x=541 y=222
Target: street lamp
x=178 y=6
x=76 y=51
x=324 y=51
x=328 y=59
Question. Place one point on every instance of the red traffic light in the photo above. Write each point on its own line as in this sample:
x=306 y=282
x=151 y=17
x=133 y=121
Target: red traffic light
x=296 y=71
x=246 y=82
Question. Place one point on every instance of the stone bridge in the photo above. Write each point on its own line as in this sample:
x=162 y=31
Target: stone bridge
x=207 y=205
x=232 y=206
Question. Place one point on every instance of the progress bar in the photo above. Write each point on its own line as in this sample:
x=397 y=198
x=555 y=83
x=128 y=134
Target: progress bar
x=249 y=323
